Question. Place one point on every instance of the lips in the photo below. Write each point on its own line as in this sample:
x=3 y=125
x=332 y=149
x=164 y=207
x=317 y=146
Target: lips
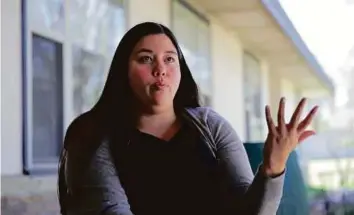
x=159 y=85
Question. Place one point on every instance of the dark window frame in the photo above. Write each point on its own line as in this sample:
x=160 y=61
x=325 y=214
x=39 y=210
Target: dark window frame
x=29 y=166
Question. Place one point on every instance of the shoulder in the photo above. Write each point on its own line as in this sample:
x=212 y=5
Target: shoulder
x=204 y=113
x=207 y=116
x=80 y=124
x=215 y=124
x=88 y=152
x=81 y=129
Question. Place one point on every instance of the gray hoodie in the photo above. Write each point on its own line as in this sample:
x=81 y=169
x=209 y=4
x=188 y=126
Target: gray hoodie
x=100 y=190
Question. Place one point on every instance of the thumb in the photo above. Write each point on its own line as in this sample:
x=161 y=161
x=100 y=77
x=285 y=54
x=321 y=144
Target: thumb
x=304 y=135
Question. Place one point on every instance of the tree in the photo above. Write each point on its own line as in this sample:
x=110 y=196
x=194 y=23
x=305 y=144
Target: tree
x=347 y=73
x=341 y=149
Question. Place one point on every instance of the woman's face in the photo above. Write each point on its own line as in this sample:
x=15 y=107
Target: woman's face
x=154 y=71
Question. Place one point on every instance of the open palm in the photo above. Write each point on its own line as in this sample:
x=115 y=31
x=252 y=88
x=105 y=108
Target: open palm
x=283 y=139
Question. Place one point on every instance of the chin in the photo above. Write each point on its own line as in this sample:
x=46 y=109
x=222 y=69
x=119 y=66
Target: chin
x=161 y=104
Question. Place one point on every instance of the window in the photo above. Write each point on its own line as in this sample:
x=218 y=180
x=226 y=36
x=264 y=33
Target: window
x=47 y=97
x=192 y=32
x=253 y=99
x=68 y=48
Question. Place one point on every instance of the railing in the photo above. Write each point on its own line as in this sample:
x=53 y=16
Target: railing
x=294 y=200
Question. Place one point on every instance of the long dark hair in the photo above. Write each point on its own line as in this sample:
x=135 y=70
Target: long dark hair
x=114 y=107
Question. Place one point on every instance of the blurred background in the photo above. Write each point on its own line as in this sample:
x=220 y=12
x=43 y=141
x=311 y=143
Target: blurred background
x=244 y=54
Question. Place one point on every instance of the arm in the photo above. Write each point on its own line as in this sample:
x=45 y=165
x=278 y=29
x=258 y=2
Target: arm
x=99 y=191
x=92 y=178
x=259 y=195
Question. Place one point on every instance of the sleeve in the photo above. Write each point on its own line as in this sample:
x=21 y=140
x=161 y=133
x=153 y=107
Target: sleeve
x=99 y=190
x=247 y=194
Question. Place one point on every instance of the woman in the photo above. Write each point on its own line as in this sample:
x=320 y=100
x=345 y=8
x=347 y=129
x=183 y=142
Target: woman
x=147 y=147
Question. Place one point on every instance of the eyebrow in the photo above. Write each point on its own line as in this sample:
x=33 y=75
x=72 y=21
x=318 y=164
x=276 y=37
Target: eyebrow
x=150 y=51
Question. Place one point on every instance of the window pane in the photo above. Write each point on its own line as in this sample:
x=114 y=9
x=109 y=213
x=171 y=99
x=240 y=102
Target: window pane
x=203 y=66
x=89 y=76
x=185 y=26
x=253 y=98
x=47 y=14
x=47 y=99
x=97 y=25
x=193 y=36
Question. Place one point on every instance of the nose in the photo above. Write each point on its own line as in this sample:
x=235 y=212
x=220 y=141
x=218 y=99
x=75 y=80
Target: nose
x=159 y=70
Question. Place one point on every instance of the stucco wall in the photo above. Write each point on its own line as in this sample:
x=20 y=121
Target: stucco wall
x=227 y=77
x=288 y=91
x=226 y=62
x=282 y=87
x=227 y=85
x=154 y=10
x=11 y=96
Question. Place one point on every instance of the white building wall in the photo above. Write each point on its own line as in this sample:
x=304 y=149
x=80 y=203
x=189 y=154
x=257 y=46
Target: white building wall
x=274 y=83
x=288 y=91
x=227 y=77
x=11 y=87
x=266 y=94
x=226 y=62
x=282 y=87
x=153 y=10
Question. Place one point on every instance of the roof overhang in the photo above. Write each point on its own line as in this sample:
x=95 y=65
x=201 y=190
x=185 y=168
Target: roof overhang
x=266 y=31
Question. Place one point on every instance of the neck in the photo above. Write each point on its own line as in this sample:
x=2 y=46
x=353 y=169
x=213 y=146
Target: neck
x=156 y=118
x=162 y=124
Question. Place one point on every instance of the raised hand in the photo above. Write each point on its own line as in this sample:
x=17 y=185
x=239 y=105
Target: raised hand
x=283 y=139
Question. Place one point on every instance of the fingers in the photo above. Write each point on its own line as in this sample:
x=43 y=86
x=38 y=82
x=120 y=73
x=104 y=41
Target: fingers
x=282 y=127
x=281 y=120
x=297 y=114
x=270 y=123
x=305 y=135
x=308 y=119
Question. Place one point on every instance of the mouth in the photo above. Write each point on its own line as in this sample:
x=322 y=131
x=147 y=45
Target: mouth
x=158 y=86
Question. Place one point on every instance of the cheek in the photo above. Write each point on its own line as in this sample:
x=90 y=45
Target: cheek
x=139 y=74
x=175 y=77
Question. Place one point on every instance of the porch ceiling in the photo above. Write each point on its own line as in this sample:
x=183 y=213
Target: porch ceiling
x=266 y=31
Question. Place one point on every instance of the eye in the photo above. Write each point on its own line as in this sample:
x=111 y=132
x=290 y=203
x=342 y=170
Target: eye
x=170 y=59
x=145 y=59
